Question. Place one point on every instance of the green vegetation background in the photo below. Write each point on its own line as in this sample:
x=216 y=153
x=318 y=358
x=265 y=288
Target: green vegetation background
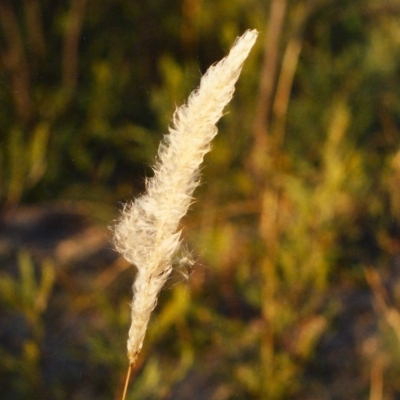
x=295 y=292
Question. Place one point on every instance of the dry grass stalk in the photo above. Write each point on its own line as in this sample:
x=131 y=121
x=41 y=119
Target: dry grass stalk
x=147 y=234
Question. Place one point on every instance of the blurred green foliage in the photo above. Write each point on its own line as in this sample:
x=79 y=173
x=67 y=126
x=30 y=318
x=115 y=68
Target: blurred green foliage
x=301 y=196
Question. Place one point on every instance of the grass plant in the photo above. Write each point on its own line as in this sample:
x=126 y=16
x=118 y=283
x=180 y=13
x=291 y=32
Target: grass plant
x=295 y=292
x=148 y=234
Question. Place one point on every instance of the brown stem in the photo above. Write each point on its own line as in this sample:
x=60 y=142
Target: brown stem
x=376 y=387
x=267 y=80
x=13 y=58
x=268 y=228
x=34 y=27
x=128 y=375
x=288 y=70
x=70 y=53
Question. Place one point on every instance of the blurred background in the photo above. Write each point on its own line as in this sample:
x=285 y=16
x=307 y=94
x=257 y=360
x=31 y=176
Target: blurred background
x=295 y=293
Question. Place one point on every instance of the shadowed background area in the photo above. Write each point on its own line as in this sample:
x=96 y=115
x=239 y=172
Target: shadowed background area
x=295 y=293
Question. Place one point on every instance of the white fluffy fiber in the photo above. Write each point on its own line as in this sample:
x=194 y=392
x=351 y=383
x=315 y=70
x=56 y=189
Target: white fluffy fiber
x=147 y=233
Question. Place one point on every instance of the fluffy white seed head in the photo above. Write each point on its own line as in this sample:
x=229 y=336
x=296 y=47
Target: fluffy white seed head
x=147 y=233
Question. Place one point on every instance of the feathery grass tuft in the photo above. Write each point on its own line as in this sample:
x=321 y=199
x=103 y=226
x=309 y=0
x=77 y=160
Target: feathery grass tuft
x=147 y=233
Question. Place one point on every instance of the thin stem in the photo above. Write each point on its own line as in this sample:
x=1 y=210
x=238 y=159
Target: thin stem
x=70 y=55
x=128 y=375
x=265 y=97
x=13 y=58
